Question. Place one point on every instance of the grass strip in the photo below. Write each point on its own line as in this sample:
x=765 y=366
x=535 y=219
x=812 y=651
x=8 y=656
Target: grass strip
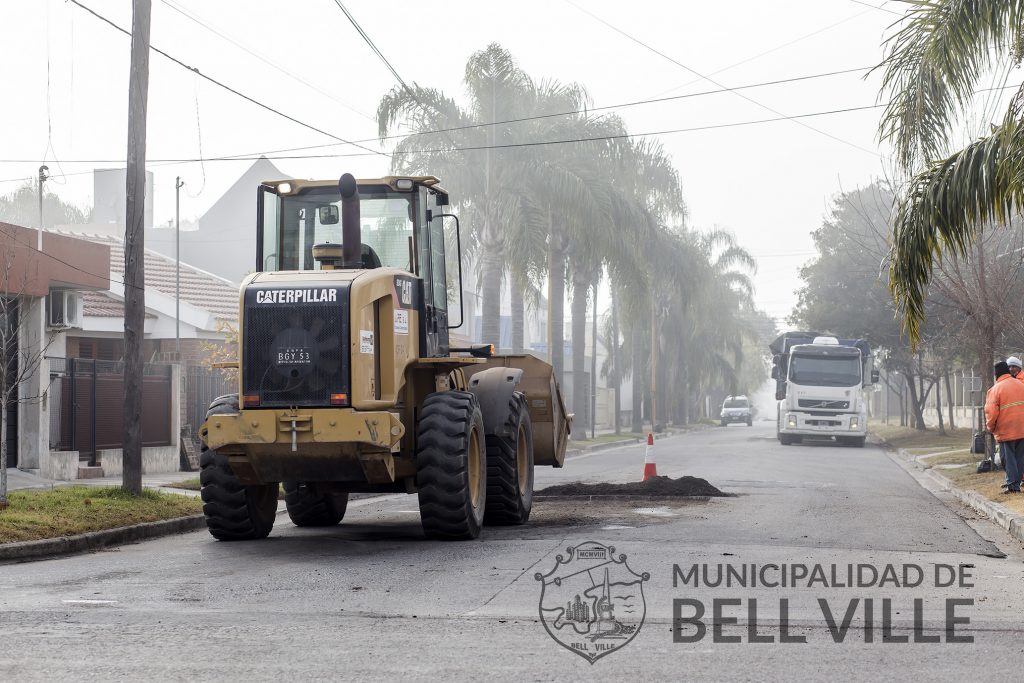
x=70 y=510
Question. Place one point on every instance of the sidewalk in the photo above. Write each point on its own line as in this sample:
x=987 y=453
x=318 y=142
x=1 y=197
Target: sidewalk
x=17 y=479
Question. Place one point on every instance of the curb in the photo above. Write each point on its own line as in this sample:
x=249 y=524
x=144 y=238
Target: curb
x=95 y=540
x=1001 y=515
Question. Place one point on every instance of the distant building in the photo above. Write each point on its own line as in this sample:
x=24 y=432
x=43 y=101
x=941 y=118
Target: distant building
x=225 y=243
x=109 y=187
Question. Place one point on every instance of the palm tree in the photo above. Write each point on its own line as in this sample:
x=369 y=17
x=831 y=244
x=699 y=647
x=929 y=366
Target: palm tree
x=932 y=68
x=467 y=157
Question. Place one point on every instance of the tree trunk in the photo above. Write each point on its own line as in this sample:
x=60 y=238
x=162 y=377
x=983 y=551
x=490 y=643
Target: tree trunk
x=949 y=397
x=3 y=450
x=580 y=404
x=938 y=404
x=556 y=300
x=915 y=404
x=638 y=380
x=490 y=303
x=516 y=294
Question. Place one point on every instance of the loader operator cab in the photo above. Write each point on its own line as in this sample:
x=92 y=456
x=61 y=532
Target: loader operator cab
x=401 y=227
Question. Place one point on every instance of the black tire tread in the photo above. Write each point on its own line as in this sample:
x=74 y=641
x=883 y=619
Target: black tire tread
x=505 y=506
x=231 y=508
x=306 y=507
x=442 y=451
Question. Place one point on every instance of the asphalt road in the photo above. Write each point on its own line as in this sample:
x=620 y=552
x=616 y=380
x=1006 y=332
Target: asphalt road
x=372 y=600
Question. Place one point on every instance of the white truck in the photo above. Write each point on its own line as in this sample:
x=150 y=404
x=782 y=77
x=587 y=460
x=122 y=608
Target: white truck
x=821 y=387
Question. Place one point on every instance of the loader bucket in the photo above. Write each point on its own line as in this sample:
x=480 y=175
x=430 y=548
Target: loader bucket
x=551 y=424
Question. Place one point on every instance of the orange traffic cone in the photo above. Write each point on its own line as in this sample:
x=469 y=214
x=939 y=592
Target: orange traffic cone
x=650 y=467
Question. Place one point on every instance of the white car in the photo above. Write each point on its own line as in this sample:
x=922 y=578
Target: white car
x=736 y=409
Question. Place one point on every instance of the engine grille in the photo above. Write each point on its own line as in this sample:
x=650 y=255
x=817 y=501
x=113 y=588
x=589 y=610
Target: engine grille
x=296 y=354
x=827 y=405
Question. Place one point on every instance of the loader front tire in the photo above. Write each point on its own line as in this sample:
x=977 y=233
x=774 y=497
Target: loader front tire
x=451 y=466
x=308 y=507
x=510 y=468
x=234 y=511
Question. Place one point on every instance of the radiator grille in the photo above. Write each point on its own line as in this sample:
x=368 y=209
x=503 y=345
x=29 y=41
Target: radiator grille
x=296 y=354
x=827 y=405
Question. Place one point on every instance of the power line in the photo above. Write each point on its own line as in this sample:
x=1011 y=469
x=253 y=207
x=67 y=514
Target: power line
x=252 y=100
x=711 y=80
x=880 y=8
x=394 y=72
x=470 y=148
x=198 y=20
x=366 y=38
x=246 y=156
x=624 y=105
x=767 y=52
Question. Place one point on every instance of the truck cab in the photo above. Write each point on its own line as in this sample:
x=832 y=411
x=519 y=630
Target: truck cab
x=820 y=387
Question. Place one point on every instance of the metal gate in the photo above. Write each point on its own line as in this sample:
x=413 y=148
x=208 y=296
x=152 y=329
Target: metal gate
x=202 y=385
x=87 y=405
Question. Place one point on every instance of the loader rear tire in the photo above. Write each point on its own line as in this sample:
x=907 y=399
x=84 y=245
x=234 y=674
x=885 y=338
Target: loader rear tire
x=308 y=507
x=510 y=468
x=451 y=466
x=234 y=511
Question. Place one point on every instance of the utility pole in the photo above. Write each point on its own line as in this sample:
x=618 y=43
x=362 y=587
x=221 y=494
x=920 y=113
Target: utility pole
x=178 y=182
x=134 y=235
x=593 y=373
x=617 y=413
x=39 y=233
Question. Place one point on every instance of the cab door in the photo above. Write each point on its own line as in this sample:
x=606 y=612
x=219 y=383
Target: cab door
x=433 y=272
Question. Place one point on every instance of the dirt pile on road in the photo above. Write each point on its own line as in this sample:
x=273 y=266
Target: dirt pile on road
x=655 y=486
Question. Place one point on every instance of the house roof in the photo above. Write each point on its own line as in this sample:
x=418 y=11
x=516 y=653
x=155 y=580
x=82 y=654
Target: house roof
x=205 y=291
x=101 y=305
x=262 y=169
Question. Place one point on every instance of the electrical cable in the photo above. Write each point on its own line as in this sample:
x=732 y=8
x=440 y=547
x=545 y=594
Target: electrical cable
x=198 y=20
x=711 y=80
x=470 y=148
x=223 y=85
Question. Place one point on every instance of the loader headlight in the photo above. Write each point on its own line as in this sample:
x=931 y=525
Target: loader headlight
x=854 y=422
x=791 y=420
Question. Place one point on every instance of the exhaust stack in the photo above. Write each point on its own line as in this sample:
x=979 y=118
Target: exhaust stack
x=351 y=230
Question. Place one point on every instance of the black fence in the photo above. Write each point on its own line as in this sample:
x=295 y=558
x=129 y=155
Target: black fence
x=202 y=385
x=86 y=401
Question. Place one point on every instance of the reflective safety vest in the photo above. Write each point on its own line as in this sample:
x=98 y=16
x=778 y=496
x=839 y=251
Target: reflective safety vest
x=1004 y=409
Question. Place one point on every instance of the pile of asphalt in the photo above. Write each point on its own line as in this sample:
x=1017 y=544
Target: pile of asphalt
x=655 y=486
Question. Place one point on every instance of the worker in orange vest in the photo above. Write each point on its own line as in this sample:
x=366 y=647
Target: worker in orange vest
x=1004 y=416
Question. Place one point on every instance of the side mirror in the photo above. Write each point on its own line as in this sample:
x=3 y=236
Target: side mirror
x=329 y=214
x=874 y=377
x=775 y=372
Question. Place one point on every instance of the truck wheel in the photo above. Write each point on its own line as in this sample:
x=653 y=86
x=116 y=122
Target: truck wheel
x=785 y=439
x=855 y=441
x=451 y=466
x=307 y=507
x=234 y=512
x=750 y=422
x=510 y=468
x=724 y=423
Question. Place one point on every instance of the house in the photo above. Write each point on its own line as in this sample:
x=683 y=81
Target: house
x=178 y=339
x=41 y=275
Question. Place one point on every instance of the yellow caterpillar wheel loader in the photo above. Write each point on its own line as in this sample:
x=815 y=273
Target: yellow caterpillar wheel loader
x=347 y=380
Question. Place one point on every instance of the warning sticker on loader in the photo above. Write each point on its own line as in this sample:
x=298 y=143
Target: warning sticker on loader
x=401 y=322
x=365 y=341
